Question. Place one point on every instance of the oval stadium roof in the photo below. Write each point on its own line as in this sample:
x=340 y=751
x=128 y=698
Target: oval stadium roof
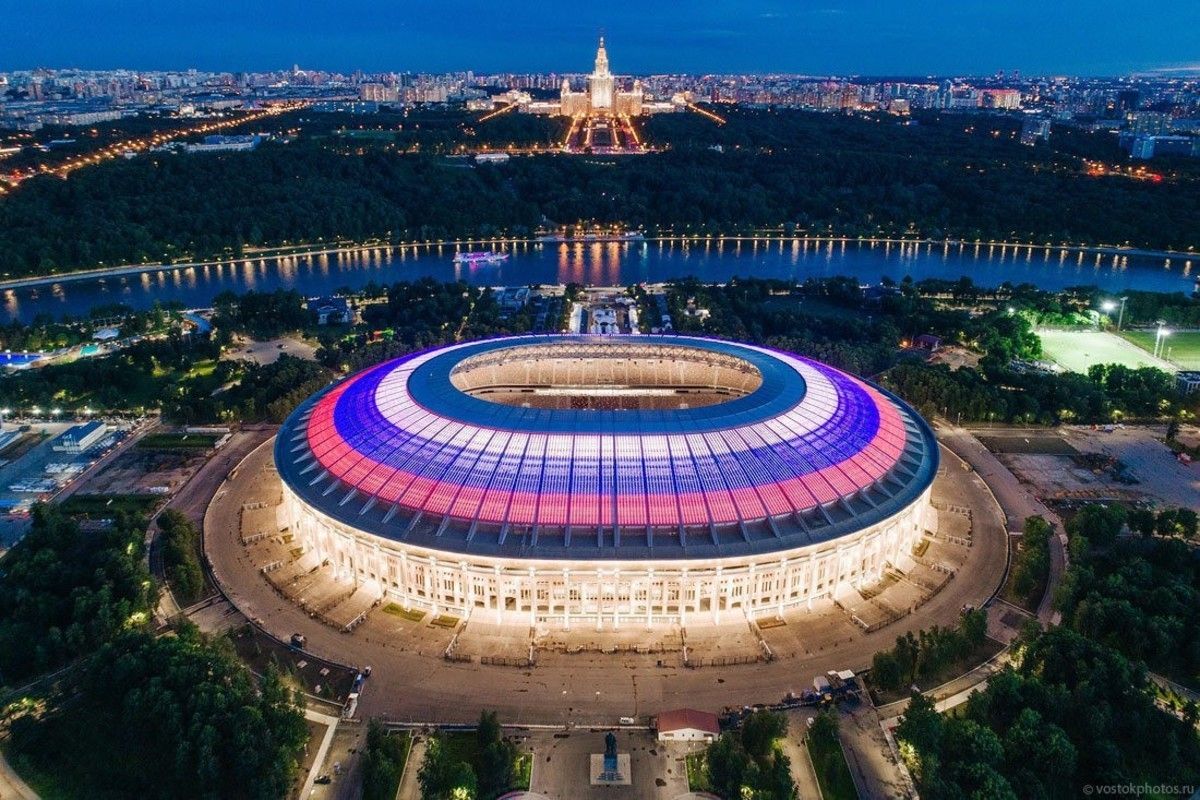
x=810 y=454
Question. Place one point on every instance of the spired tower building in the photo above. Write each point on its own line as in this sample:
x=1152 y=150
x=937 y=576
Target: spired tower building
x=600 y=82
x=602 y=97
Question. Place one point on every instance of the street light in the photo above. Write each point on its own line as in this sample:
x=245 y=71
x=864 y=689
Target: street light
x=1109 y=306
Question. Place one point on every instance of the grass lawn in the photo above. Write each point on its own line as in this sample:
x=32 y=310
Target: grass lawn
x=1182 y=347
x=1077 y=350
x=202 y=369
x=697 y=772
x=833 y=773
x=178 y=441
x=523 y=771
x=413 y=615
x=461 y=746
x=99 y=506
x=1034 y=599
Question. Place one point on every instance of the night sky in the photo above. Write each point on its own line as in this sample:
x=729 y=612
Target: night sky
x=864 y=37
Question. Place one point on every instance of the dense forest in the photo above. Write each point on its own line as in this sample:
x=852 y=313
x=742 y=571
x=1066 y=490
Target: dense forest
x=785 y=170
x=1136 y=595
x=64 y=591
x=193 y=721
x=1073 y=714
x=170 y=717
x=828 y=319
x=1076 y=708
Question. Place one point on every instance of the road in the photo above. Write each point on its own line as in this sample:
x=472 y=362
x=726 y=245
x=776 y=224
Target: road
x=1016 y=502
x=794 y=748
x=872 y=764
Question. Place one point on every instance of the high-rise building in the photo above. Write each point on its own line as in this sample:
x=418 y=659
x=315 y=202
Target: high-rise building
x=602 y=95
x=601 y=81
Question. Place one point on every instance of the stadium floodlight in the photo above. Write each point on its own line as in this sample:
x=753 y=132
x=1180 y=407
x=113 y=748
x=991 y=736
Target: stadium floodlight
x=1109 y=306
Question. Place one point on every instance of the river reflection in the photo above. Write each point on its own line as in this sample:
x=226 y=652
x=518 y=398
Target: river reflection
x=610 y=263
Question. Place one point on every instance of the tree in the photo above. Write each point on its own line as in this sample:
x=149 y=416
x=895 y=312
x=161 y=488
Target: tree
x=437 y=773
x=921 y=729
x=1142 y=520
x=497 y=757
x=760 y=730
x=180 y=546
x=382 y=763
x=973 y=627
x=727 y=765
x=886 y=672
x=64 y=593
x=907 y=651
x=462 y=782
x=1098 y=525
x=824 y=728
x=1032 y=561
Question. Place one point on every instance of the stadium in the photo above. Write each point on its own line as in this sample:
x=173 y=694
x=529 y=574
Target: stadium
x=613 y=481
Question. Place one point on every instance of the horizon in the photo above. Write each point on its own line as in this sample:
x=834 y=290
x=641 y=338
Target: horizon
x=760 y=37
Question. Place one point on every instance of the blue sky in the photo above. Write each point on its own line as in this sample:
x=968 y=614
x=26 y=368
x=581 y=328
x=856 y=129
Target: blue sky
x=868 y=37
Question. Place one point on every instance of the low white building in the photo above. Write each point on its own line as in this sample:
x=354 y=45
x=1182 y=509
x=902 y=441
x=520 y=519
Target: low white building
x=687 y=725
x=79 y=438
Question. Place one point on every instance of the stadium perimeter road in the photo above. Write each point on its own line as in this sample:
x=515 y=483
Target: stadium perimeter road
x=1015 y=500
x=587 y=689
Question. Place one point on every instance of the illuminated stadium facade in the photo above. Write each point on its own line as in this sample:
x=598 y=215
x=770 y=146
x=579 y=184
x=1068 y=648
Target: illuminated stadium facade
x=610 y=480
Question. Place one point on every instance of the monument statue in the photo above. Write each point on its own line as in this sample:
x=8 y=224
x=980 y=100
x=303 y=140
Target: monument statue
x=610 y=768
x=610 y=753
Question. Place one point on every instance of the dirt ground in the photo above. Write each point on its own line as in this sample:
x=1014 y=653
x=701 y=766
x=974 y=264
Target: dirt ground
x=138 y=470
x=1081 y=463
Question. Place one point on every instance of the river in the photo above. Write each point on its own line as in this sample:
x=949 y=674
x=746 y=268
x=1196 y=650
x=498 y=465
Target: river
x=611 y=263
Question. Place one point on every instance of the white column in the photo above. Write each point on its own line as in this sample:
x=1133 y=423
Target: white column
x=717 y=588
x=812 y=579
x=532 y=599
x=650 y=598
x=568 y=607
x=498 y=591
x=687 y=586
x=463 y=592
x=782 y=579
x=430 y=582
x=752 y=584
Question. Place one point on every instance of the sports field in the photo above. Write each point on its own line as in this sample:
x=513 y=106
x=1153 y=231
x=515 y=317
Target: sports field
x=1182 y=348
x=1078 y=350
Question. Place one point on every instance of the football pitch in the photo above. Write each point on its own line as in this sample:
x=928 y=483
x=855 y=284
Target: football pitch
x=1076 y=350
x=1182 y=348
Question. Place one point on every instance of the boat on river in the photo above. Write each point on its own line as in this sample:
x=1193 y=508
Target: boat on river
x=480 y=257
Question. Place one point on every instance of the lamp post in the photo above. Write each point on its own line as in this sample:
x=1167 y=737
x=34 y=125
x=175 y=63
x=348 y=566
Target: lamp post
x=1108 y=306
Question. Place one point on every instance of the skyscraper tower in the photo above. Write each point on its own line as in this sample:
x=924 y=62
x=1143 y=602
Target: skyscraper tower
x=600 y=82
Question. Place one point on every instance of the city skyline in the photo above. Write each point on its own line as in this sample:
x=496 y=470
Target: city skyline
x=842 y=37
